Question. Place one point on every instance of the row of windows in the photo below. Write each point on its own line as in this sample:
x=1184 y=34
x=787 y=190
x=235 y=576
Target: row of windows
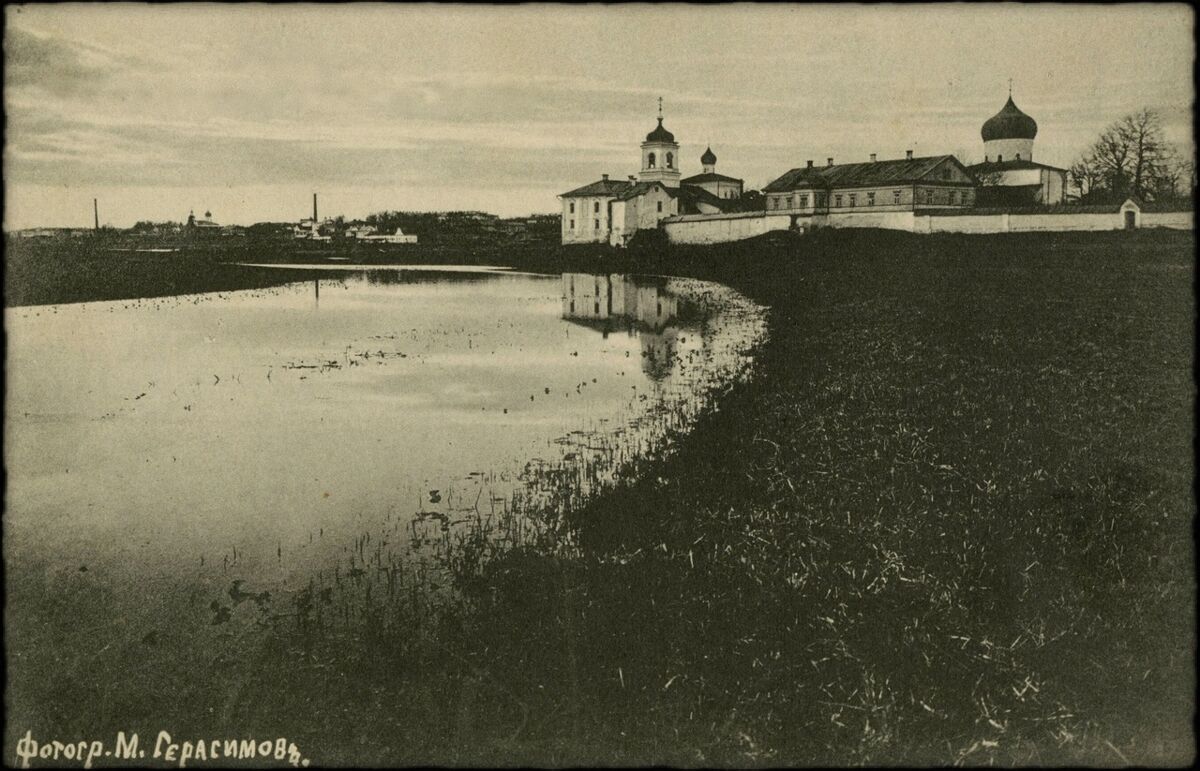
x=999 y=158
x=595 y=207
x=595 y=225
x=953 y=197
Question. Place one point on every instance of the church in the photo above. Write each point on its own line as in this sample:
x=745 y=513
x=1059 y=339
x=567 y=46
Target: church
x=1008 y=175
x=613 y=211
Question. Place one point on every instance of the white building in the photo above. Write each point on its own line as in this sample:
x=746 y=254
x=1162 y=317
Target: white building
x=613 y=211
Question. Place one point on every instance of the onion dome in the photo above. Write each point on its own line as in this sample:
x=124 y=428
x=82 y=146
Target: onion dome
x=660 y=134
x=709 y=158
x=1009 y=123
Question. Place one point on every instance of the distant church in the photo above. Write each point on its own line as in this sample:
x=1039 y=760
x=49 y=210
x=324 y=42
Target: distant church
x=1008 y=175
x=613 y=211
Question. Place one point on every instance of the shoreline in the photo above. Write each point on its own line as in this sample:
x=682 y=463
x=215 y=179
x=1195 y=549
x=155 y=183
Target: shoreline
x=910 y=538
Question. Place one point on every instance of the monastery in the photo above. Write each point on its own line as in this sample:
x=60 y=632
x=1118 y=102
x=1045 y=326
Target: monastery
x=926 y=194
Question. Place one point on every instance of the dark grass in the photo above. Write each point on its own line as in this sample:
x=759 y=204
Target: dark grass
x=949 y=520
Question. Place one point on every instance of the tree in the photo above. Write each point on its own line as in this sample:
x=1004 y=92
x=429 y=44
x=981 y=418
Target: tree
x=1130 y=158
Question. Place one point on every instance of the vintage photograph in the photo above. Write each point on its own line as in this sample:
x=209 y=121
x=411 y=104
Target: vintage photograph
x=734 y=385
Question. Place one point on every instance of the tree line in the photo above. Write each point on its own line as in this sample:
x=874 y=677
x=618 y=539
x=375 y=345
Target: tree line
x=1132 y=157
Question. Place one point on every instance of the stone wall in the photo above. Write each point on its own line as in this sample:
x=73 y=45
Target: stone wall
x=722 y=228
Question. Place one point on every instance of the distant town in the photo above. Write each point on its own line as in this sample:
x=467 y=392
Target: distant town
x=381 y=228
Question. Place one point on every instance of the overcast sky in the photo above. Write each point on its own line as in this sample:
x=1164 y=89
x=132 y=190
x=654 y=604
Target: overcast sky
x=249 y=110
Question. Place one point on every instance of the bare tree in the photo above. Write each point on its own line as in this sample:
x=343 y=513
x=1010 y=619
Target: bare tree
x=1131 y=157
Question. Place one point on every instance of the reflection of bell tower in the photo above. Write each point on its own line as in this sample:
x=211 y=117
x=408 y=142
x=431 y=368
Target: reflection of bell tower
x=660 y=155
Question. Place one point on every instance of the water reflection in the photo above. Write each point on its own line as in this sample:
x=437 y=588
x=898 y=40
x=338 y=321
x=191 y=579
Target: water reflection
x=642 y=307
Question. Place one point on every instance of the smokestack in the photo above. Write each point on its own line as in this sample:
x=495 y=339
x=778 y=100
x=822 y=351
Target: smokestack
x=96 y=212
x=908 y=155
x=810 y=164
x=872 y=157
x=314 y=207
x=829 y=161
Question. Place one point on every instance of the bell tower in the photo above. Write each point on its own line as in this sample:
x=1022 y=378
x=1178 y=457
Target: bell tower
x=660 y=155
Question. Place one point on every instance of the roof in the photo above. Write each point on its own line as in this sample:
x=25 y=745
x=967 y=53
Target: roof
x=860 y=174
x=689 y=196
x=709 y=177
x=1009 y=123
x=709 y=157
x=599 y=187
x=983 y=168
x=660 y=134
x=641 y=188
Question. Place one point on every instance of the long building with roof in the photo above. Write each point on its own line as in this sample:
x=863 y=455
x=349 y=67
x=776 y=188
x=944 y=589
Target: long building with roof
x=901 y=185
x=614 y=210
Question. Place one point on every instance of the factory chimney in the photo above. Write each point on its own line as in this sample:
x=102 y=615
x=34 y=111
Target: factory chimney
x=314 y=208
x=96 y=212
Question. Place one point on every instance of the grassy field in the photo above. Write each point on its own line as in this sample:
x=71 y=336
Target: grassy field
x=948 y=521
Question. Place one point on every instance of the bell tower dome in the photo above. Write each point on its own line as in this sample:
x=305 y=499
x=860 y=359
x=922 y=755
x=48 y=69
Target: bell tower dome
x=660 y=155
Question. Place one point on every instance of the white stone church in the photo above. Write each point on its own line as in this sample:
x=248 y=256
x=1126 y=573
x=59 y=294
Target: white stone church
x=613 y=211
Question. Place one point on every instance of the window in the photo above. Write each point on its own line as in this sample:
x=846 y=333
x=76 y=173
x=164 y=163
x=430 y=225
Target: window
x=853 y=199
x=789 y=201
x=572 y=224
x=896 y=196
x=999 y=159
x=572 y=207
x=660 y=206
x=670 y=160
x=597 y=227
x=804 y=202
x=870 y=199
x=650 y=161
x=821 y=199
x=1018 y=156
x=837 y=200
x=596 y=207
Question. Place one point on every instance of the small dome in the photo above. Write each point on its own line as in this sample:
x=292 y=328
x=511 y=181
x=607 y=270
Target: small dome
x=708 y=159
x=660 y=134
x=1009 y=123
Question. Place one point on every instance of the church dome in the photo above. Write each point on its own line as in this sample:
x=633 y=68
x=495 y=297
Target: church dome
x=1009 y=123
x=660 y=134
x=709 y=158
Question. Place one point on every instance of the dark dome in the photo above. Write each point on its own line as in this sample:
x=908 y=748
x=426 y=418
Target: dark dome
x=708 y=159
x=1009 y=123
x=660 y=134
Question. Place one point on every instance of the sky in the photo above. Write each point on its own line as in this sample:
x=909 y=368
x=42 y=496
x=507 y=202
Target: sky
x=246 y=111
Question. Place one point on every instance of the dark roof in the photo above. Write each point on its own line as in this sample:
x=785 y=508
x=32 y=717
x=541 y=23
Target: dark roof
x=1009 y=123
x=709 y=157
x=660 y=134
x=709 y=177
x=689 y=196
x=981 y=168
x=641 y=188
x=859 y=174
x=599 y=187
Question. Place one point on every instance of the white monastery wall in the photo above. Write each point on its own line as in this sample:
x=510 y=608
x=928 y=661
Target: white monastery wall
x=1176 y=220
x=721 y=229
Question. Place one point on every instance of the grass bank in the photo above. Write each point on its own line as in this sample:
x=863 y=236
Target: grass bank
x=949 y=520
